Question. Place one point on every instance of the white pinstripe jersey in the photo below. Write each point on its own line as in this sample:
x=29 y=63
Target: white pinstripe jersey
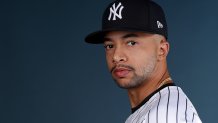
x=168 y=105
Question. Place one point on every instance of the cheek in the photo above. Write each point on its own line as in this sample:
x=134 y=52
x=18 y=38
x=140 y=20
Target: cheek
x=138 y=57
x=108 y=60
x=142 y=59
x=137 y=60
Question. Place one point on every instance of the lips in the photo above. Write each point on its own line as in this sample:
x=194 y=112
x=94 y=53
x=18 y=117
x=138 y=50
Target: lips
x=121 y=72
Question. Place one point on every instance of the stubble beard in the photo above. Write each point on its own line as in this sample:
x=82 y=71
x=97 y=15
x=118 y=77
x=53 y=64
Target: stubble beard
x=137 y=79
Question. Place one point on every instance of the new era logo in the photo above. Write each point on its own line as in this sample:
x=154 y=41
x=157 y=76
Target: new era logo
x=159 y=24
x=116 y=11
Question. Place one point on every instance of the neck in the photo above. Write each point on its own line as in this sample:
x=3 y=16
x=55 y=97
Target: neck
x=138 y=94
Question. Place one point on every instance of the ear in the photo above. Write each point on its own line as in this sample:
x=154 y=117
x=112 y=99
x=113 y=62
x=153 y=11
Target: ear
x=163 y=50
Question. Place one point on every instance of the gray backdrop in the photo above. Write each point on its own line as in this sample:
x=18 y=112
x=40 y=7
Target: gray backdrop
x=49 y=75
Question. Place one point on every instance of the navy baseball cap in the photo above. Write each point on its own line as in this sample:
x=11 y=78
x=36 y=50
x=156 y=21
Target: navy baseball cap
x=131 y=15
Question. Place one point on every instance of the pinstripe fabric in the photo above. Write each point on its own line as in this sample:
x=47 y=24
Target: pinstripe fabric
x=169 y=105
x=177 y=105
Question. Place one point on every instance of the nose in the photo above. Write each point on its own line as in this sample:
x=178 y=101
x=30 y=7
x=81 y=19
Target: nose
x=119 y=56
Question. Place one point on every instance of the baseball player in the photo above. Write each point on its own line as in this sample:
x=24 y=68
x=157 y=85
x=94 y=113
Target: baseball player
x=134 y=34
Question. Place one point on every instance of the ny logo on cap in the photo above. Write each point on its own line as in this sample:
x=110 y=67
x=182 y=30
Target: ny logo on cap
x=159 y=24
x=113 y=11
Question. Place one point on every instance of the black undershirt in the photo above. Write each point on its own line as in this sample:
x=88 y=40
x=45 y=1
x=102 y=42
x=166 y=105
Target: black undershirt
x=148 y=97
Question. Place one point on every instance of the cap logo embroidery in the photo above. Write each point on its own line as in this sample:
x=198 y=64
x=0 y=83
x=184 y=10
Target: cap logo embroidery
x=159 y=24
x=113 y=11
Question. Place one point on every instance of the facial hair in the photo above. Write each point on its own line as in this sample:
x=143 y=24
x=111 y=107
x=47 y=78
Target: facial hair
x=143 y=74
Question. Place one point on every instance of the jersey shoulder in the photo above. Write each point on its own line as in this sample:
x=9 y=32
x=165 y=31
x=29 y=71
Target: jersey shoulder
x=174 y=106
x=169 y=105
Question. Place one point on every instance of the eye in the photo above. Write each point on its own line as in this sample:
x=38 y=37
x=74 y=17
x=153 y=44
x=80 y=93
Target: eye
x=131 y=43
x=108 y=46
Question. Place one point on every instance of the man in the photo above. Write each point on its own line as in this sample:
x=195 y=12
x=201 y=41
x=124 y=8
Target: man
x=134 y=34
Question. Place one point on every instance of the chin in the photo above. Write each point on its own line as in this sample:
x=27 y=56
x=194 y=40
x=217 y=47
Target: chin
x=124 y=83
x=121 y=82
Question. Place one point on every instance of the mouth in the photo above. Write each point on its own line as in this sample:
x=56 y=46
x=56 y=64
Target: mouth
x=121 y=72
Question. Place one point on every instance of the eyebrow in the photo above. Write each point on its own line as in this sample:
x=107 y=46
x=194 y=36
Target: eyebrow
x=130 y=35
x=106 y=39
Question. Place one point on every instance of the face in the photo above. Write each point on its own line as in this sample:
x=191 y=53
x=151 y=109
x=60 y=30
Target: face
x=131 y=57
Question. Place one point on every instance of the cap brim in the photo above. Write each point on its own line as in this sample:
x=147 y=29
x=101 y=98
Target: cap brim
x=95 y=37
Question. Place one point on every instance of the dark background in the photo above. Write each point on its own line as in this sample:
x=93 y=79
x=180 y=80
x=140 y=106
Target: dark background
x=49 y=75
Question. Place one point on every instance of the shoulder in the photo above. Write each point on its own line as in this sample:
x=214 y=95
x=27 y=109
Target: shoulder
x=169 y=105
x=173 y=105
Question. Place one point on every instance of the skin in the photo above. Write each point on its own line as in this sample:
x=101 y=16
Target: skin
x=137 y=62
